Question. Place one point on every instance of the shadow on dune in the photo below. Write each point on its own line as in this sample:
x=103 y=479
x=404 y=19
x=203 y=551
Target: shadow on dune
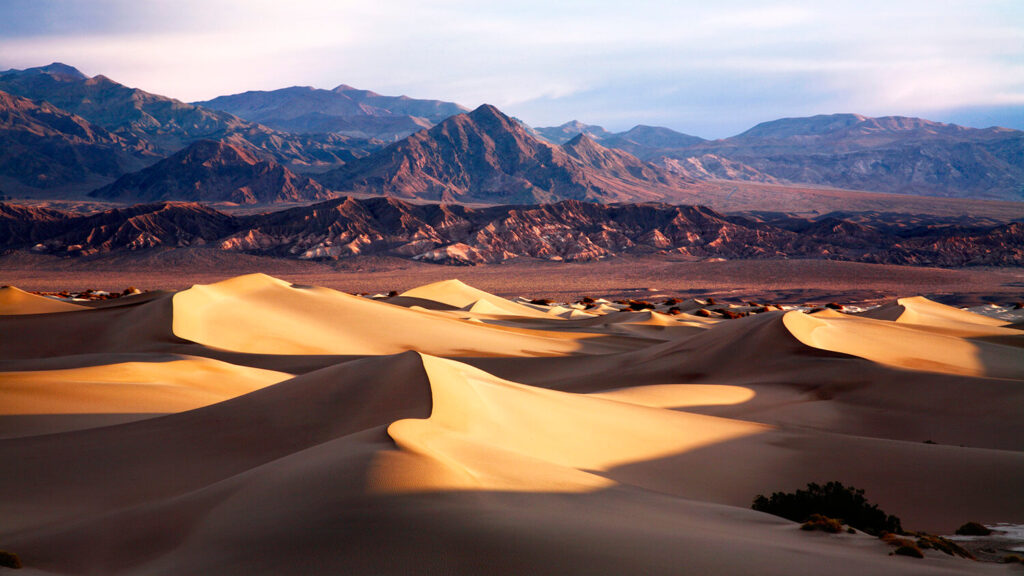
x=930 y=487
x=295 y=479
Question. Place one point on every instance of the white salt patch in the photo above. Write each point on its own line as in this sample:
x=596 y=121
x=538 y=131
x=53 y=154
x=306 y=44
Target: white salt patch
x=1006 y=313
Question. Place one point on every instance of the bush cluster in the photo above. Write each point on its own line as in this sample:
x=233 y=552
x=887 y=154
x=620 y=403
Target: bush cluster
x=9 y=560
x=834 y=501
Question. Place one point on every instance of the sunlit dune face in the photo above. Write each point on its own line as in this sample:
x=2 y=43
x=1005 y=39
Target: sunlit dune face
x=680 y=395
x=262 y=315
x=130 y=387
x=485 y=433
x=15 y=302
x=904 y=345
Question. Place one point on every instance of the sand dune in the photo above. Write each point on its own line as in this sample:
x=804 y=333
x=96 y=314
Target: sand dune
x=159 y=385
x=459 y=295
x=260 y=314
x=16 y=302
x=919 y=310
x=899 y=344
x=447 y=430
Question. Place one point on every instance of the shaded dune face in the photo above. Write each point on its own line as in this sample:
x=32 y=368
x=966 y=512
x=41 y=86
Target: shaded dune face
x=299 y=430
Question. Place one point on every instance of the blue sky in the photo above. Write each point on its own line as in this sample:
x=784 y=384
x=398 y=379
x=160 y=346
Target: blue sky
x=707 y=68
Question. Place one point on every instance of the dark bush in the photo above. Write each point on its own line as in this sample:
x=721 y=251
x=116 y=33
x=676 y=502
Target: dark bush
x=674 y=311
x=973 y=529
x=1018 y=305
x=703 y=313
x=392 y=293
x=587 y=300
x=834 y=306
x=833 y=500
x=711 y=301
x=640 y=305
x=909 y=550
x=672 y=301
x=542 y=301
x=9 y=560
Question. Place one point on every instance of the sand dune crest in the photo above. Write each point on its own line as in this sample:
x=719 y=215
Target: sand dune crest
x=14 y=301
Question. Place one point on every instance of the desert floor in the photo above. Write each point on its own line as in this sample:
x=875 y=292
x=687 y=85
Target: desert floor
x=784 y=281
x=262 y=425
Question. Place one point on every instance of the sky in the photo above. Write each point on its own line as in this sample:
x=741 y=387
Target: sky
x=711 y=68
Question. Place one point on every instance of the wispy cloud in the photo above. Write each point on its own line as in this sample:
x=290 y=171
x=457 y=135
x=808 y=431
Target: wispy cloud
x=696 y=66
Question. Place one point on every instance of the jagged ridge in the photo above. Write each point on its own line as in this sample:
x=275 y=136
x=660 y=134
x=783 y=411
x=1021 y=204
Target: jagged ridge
x=455 y=234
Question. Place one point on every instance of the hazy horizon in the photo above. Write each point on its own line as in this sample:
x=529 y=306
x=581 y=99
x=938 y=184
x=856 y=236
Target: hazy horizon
x=709 y=71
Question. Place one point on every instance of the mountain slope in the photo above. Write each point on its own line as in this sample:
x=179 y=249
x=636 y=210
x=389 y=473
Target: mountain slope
x=166 y=124
x=344 y=110
x=454 y=234
x=565 y=132
x=139 y=227
x=648 y=142
x=43 y=147
x=209 y=171
x=890 y=154
x=485 y=156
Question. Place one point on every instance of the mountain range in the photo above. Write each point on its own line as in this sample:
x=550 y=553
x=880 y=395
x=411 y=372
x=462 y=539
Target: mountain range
x=485 y=156
x=212 y=171
x=162 y=125
x=457 y=234
x=66 y=134
x=891 y=154
x=343 y=110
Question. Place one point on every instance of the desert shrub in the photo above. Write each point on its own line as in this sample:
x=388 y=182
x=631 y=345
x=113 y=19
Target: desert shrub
x=711 y=302
x=542 y=301
x=834 y=306
x=392 y=293
x=640 y=305
x=1018 y=305
x=1012 y=559
x=728 y=313
x=895 y=540
x=833 y=500
x=703 y=313
x=973 y=529
x=759 y=310
x=674 y=311
x=9 y=559
x=672 y=301
x=823 y=523
x=932 y=542
x=909 y=550
x=587 y=300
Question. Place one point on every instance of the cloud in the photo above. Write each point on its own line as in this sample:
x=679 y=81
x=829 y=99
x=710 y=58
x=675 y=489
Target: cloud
x=691 y=64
